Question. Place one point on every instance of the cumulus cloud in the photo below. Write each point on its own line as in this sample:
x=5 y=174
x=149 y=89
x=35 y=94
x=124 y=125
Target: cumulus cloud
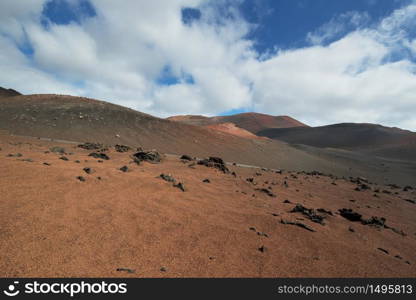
x=353 y=70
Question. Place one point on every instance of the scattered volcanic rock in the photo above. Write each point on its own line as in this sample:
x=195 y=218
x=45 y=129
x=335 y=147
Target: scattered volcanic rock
x=99 y=155
x=88 y=170
x=383 y=250
x=80 y=178
x=64 y=158
x=59 y=150
x=375 y=221
x=309 y=213
x=214 y=162
x=15 y=155
x=410 y=201
x=91 y=146
x=301 y=225
x=124 y=169
x=262 y=249
x=163 y=269
x=407 y=188
x=125 y=270
x=122 y=148
x=186 y=157
x=167 y=178
x=267 y=192
x=350 y=215
x=206 y=180
x=46 y=164
x=287 y=201
x=325 y=211
x=151 y=156
x=180 y=186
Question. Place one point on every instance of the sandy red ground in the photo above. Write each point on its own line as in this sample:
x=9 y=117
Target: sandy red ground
x=53 y=225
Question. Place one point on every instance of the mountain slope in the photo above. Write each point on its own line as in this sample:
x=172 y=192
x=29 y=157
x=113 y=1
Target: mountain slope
x=80 y=120
x=4 y=93
x=368 y=138
x=253 y=122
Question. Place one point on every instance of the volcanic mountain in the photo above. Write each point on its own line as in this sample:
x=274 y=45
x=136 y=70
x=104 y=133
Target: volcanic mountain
x=77 y=119
x=369 y=138
x=253 y=122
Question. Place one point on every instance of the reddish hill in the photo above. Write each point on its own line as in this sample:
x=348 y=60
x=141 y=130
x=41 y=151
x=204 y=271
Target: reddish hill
x=86 y=120
x=231 y=128
x=253 y=122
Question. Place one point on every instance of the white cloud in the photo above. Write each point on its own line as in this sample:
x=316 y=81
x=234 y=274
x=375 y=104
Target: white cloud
x=119 y=54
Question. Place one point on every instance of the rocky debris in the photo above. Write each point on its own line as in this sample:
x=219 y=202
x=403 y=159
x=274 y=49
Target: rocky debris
x=398 y=257
x=88 y=170
x=163 y=269
x=301 y=225
x=151 y=156
x=362 y=187
x=46 y=164
x=383 y=250
x=310 y=213
x=252 y=229
x=250 y=180
x=407 y=188
x=126 y=270
x=351 y=229
x=278 y=171
x=77 y=161
x=285 y=184
x=234 y=174
x=64 y=158
x=91 y=146
x=378 y=222
x=262 y=234
x=80 y=178
x=122 y=148
x=214 y=162
x=315 y=173
x=99 y=155
x=180 y=186
x=124 y=169
x=56 y=149
x=375 y=221
x=350 y=215
x=27 y=160
x=287 y=202
x=15 y=155
x=267 y=192
x=192 y=165
x=386 y=192
x=167 y=178
x=186 y=157
x=262 y=249
x=206 y=180
x=325 y=211
x=410 y=201
x=393 y=186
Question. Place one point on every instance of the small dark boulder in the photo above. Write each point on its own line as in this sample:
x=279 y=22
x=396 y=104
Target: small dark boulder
x=180 y=186
x=122 y=148
x=167 y=178
x=186 y=157
x=214 y=162
x=124 y=169
x=80 y=178
x=91 y=146
x=350 y=215
x=99 y=155
x=151 y=156
x=88 y=170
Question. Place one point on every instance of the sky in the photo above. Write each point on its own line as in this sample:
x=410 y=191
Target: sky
x=318 y=61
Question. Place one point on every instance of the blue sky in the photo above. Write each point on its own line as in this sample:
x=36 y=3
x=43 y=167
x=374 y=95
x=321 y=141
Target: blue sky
x=320 y=61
